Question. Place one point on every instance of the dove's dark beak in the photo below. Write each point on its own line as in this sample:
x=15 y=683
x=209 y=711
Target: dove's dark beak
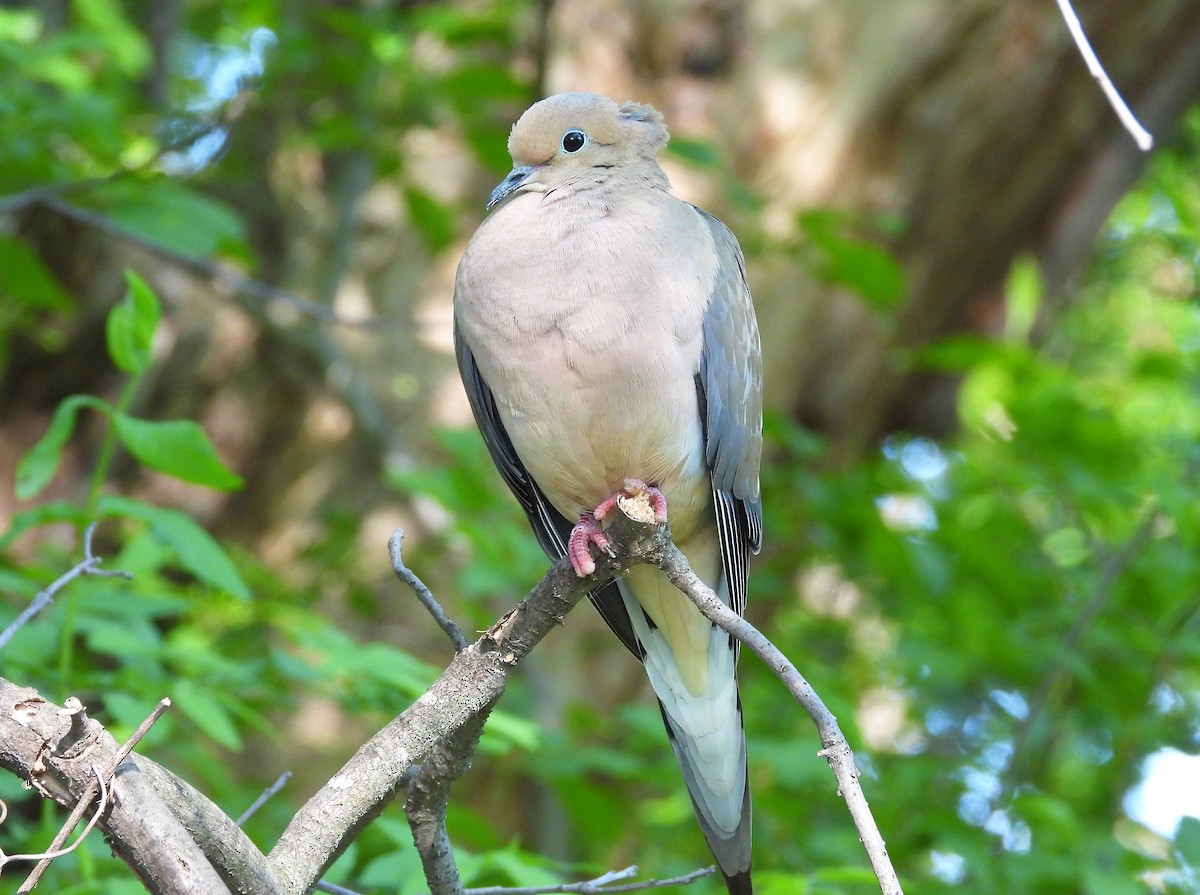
x=516 y=177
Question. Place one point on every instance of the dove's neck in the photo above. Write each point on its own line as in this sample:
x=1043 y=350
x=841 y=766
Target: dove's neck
x=604 y=188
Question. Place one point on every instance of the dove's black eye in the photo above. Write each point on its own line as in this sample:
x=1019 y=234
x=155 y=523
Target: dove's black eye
x=574 y=140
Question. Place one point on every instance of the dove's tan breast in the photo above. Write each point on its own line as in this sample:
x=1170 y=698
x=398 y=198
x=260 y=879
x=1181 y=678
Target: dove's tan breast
x=596 y=336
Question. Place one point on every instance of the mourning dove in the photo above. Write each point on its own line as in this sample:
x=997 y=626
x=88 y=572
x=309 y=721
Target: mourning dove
x=607 y=341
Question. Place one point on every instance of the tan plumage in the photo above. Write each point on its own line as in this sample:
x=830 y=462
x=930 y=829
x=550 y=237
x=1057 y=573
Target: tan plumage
x=605 y=332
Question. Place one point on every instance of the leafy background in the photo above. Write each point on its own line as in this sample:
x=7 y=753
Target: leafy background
x=1004 y=617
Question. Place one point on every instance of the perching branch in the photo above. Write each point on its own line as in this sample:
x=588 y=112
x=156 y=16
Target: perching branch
x=452 y=707
x=60 y=752
x=428 y=818
x=178 y=843
x=834 y=747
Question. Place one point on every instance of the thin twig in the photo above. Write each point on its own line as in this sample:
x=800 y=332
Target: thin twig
x=1140 y=135
x=93 y=789
x=262 y=799
x=598 y=886
x=834 y=747
x=334 y=889
x=221 y=276
x=87 y=566
x=58 y=853
x=424 y=594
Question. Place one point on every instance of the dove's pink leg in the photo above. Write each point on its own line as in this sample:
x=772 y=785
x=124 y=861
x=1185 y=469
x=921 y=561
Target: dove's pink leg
x=632 y=488
x=585 y=533
x=587 y=530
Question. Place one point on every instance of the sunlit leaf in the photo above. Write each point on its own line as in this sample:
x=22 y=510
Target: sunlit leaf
x=131 y=324
x=207 y=712
x=37 y=467
x=867 y=269
x=25 y=280
x=433 y=219
x=194 y=548
x=166 y=213
x=179 y=448
x=1022 y=298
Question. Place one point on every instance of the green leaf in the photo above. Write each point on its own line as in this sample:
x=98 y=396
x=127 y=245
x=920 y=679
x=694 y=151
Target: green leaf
x=959 y=354
x=433 y=219
x=207 y=713
x=131 y=325
x=194 y=548
x=1022 y=298
x=37 y=467
x=177 y=447
x=42 y=514
x=779 y=883
x=865 y=268
x=1187 y=841
x=701 y=153
x=506 y=730
x=168 y=214
x=26 y=280
x=124 y=45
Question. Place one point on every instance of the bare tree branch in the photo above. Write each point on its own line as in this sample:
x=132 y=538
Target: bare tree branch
x=428 y=799
x=46 y=857
x=89 y=565
x=599 y=885
x=424 y=594
x=834 y=747
x=223 y=277
x=97 y=786
x=179 y=843
x=1140 y=135
x=60 y=753
x=456 y=701
x=266 y=794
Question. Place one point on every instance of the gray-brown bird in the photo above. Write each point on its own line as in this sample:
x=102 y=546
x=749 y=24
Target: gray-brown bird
x=607 y=341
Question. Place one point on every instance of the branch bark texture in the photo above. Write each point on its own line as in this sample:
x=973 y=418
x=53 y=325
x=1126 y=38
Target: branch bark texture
x=458 y=701
x=179 y=843
x=834 y=747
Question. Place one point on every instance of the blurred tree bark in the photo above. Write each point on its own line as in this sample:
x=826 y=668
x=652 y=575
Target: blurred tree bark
x=974 y=121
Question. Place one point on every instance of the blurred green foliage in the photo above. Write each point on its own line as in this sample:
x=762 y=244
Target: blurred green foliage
x=1005 y=623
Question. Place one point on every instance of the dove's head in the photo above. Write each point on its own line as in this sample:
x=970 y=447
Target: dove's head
x=578 y=137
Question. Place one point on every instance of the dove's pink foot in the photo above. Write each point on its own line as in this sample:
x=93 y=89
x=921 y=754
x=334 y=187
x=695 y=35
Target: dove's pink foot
x=585 y=533
x=632 y=488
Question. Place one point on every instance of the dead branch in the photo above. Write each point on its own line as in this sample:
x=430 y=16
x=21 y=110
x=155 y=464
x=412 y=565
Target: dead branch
x=59 y=753
x=98 y=787
x=423 y=593
x=89 y=565
x=834 y=747
x=455 y=703
x=179 y=843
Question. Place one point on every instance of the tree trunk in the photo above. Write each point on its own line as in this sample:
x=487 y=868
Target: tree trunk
x=975 y=121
